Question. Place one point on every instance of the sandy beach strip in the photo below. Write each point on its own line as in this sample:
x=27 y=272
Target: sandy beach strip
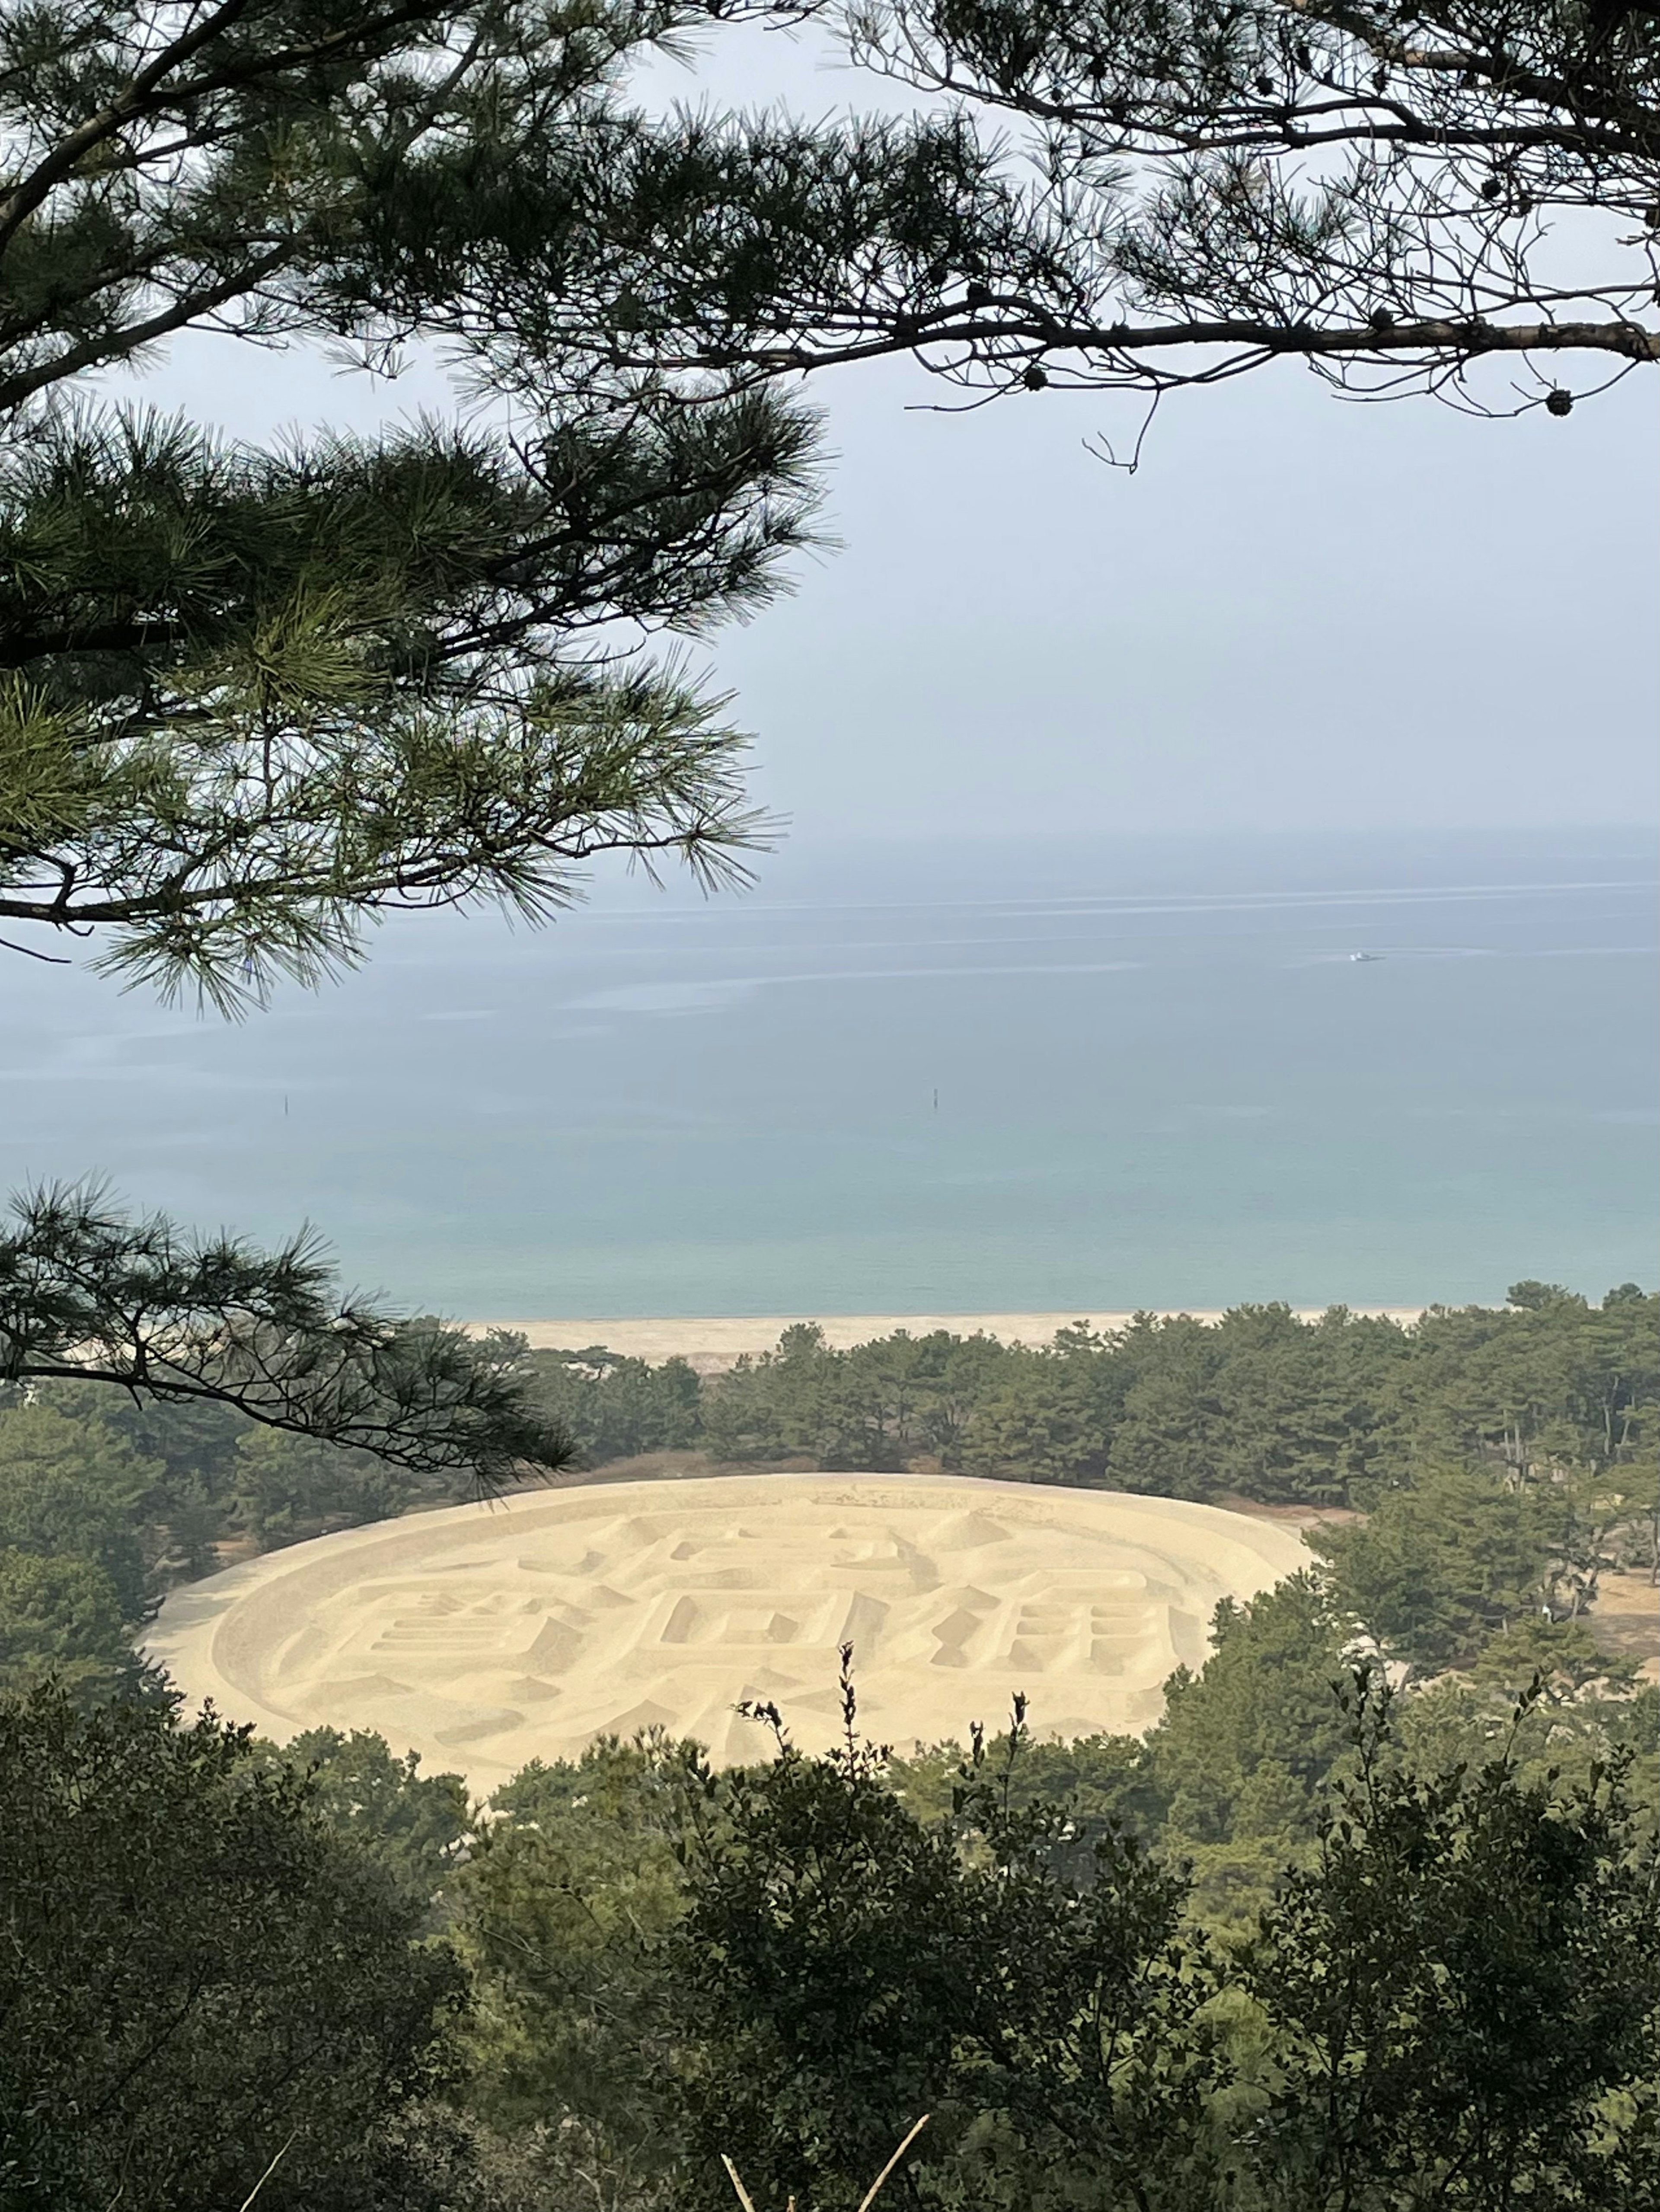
x=713 y=1345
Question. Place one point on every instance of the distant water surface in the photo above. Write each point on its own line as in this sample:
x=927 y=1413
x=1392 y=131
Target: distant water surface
x=913 y=1078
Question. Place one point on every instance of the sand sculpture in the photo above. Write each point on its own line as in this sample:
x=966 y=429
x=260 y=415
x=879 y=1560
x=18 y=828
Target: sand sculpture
x=484 y=1635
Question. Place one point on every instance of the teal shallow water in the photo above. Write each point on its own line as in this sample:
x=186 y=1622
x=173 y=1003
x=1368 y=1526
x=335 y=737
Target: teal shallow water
x=1161 y=1080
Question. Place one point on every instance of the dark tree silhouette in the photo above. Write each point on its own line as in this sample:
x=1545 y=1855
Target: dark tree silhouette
x=1146 y=194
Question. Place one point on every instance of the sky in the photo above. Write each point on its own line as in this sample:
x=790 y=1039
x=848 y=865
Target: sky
x=1300 y=613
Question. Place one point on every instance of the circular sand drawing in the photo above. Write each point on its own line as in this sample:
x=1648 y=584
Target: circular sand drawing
x=484 y=1635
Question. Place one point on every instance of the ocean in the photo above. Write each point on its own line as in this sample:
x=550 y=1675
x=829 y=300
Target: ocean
x=1084 y=1075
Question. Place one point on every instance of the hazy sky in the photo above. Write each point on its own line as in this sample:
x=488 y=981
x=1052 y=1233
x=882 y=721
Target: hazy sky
x=1300 y=613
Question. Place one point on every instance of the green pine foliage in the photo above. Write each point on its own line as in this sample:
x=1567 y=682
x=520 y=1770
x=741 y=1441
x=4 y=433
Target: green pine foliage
x=614 y=1407
x=253 y=697
x=1438 y=1568
x=1261 y=1405
x=1245 y=1744
x=107 y=1500
x=573 y=1882
x=88 y=1292
x=257 y=698
x=69 y=1489
x=61 y=1622
x=1233 y=1778
x=1305 y=1945
x=416 y=1826
x=1459 y=1995
x=249 y=697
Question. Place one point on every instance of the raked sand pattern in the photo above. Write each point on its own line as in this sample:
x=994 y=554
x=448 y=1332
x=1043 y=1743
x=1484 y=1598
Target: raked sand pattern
x=484 y=1635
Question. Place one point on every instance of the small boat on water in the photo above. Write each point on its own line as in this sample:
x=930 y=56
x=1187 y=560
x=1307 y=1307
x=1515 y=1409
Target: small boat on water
x=1365 y=956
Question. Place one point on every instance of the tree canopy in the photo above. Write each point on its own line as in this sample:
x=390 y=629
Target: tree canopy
x=786 y=1965
x=201 y=1983
x=415 y=1825
x=1261 y=1405
x=1142 y=197
x=253 y=696
x=90 y=1294
x=62 y=1621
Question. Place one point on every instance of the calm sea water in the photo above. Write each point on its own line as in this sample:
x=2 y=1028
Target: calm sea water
x=917 y=1078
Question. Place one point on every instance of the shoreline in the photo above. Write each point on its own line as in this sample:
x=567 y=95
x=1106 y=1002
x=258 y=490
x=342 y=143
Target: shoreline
x=714 y=1343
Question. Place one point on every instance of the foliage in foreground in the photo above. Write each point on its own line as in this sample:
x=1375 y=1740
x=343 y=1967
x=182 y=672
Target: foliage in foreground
x=251 y=1400
x=198 y=1976
x=252 y=698
x=1453 y=1992
x=1499 y=1941
x=1333 y=1950
x=89 y=1294
x=249 y=697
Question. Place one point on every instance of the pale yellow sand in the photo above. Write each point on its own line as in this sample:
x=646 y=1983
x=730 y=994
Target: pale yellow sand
x=486 y=1636
x=712 y=1345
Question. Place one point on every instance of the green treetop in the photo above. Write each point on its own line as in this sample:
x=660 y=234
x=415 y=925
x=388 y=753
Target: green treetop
x=201 y=1982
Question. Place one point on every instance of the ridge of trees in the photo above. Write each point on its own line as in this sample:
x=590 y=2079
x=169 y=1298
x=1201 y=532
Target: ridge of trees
x=1262 y=1405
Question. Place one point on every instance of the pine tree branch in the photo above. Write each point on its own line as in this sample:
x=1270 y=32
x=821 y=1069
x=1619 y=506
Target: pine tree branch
x=190 y=308
x=72 y=150
x=155 y=88
x=88 y=1293
x=1112 y=348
